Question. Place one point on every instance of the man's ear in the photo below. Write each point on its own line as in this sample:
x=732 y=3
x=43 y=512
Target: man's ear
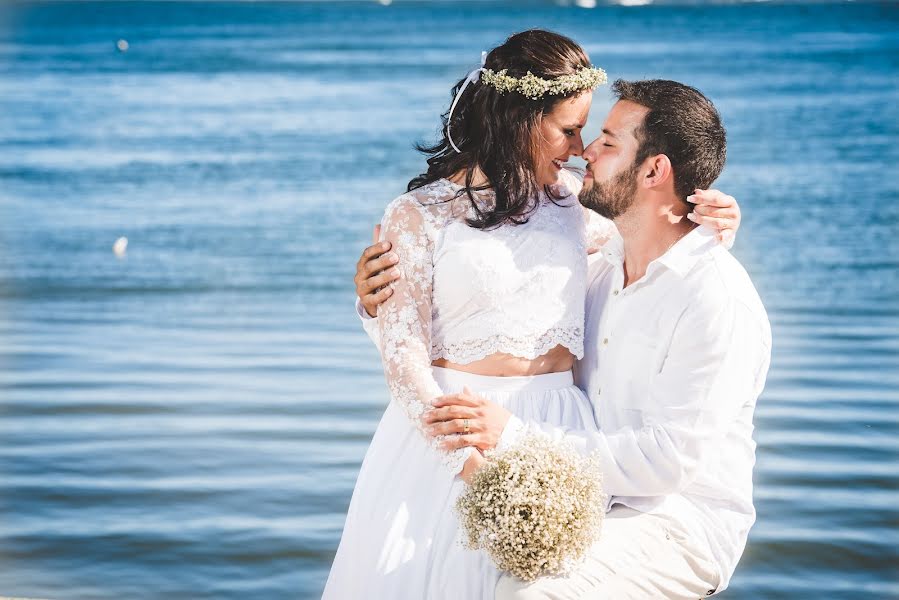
x=657 y=171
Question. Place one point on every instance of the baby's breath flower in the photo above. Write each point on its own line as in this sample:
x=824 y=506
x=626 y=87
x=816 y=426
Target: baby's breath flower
x=535 y=508
x=534 y=87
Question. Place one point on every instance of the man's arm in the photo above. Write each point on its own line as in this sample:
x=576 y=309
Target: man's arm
x=369 y=325
x=710 y=373
x=716 y=364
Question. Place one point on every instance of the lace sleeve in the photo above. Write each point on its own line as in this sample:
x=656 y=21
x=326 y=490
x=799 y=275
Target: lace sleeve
x=599 y=230
x=404 y=319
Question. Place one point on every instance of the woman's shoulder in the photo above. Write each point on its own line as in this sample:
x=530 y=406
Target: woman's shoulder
x=436 y=193
x=432 y=202
x=571 y=182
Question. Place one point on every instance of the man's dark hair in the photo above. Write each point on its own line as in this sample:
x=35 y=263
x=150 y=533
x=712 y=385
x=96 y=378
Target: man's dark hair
x=683 y=125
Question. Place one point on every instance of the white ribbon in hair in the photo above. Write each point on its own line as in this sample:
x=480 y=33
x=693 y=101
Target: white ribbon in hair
x=472 y=77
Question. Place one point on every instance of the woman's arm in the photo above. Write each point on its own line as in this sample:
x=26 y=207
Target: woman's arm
x=404 y=319
x=717 y=211
x=712 y=208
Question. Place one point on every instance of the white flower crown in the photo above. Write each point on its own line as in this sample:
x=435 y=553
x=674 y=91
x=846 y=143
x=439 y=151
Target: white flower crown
x=534 y=87
x=529 y=86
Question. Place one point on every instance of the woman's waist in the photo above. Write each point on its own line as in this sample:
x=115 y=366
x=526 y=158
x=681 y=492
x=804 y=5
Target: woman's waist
x=454 y=379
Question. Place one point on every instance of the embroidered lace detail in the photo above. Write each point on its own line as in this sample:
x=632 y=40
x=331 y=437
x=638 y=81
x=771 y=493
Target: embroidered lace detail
x=468 y=351
x=405 y=318
x=599 y=230
x=465 y=293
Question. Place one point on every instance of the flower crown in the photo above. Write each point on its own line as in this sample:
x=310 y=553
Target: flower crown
x=535 y=87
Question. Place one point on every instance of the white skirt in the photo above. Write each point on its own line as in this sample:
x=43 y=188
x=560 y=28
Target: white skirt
x=401 y=540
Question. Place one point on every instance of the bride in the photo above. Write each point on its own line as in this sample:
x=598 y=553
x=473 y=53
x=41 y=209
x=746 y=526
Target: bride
x=491 y=249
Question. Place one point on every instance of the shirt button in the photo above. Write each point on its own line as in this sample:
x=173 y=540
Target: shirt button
x=615 y=293
x=605 y=342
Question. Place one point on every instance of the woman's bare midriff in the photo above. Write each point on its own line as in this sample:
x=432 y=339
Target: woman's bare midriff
x=557 y=360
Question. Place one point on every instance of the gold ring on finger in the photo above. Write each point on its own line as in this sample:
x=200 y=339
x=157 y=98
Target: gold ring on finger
x=466 y=425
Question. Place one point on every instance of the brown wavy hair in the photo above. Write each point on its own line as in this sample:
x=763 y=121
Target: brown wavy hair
x=498 y=132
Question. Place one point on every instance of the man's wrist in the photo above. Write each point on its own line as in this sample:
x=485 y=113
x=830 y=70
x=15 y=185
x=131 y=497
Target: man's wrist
x=513 y=430
x=362 y=312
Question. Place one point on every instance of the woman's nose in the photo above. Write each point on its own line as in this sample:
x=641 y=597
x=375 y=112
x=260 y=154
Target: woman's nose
x=577 y=145
x=589 y=153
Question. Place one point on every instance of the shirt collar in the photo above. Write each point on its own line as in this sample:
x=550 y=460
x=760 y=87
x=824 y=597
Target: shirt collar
x=613 y=250
x=680 y=258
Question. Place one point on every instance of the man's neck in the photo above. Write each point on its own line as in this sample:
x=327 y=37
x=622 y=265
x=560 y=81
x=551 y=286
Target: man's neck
x=649 y=230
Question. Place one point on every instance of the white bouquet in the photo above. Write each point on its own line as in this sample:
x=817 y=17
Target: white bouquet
x=535 y=508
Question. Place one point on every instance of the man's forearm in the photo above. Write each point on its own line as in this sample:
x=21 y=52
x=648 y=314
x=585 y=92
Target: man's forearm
x=650 y=461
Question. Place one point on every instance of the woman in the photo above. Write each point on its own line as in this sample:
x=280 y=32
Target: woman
x=492 y=248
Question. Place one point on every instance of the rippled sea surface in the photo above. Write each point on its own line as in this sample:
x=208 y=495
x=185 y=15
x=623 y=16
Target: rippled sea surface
x=188 y=421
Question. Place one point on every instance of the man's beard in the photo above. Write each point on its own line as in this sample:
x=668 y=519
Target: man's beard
x=613 y=198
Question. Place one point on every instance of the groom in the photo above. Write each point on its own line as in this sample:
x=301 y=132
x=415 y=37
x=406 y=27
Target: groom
x=677 y=350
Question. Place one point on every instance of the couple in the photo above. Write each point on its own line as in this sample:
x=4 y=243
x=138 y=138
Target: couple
x=485 y=334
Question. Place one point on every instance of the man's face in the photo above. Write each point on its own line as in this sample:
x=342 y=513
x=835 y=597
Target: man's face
x=610 y=184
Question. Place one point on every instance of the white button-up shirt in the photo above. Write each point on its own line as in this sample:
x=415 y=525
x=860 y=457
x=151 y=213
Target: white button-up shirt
x=673 y=365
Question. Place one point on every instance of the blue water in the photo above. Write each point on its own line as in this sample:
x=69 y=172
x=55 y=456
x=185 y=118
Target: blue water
x=188 y=421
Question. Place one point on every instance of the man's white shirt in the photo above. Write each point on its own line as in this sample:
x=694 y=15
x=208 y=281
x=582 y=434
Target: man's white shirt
x=673 y=365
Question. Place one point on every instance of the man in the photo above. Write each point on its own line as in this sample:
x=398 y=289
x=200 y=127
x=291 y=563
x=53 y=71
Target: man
x=677 y=350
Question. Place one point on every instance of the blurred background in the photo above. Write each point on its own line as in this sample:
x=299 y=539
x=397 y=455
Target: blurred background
x=186 y=418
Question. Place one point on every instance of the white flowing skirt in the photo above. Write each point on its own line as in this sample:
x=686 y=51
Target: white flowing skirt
x=401 y=540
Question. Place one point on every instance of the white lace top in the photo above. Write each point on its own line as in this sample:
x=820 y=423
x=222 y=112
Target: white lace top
x=466 y=293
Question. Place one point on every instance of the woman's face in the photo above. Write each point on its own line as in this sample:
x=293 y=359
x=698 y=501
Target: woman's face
x=559 y=136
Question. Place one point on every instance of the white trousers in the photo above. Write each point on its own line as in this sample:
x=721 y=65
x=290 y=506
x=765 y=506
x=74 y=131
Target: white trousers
x=639 y=556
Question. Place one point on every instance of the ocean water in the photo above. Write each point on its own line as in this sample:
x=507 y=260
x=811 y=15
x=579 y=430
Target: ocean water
x=187 y=421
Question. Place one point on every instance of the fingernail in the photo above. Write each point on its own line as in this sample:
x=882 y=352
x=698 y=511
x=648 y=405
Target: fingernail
x=692 y=217
x=389 y=291
x=384 y=245
x=391 y=256
x=395 y=272
x=691 y=199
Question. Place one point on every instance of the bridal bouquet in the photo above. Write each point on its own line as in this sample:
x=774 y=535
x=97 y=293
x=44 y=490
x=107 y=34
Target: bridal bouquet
x=535 y=508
